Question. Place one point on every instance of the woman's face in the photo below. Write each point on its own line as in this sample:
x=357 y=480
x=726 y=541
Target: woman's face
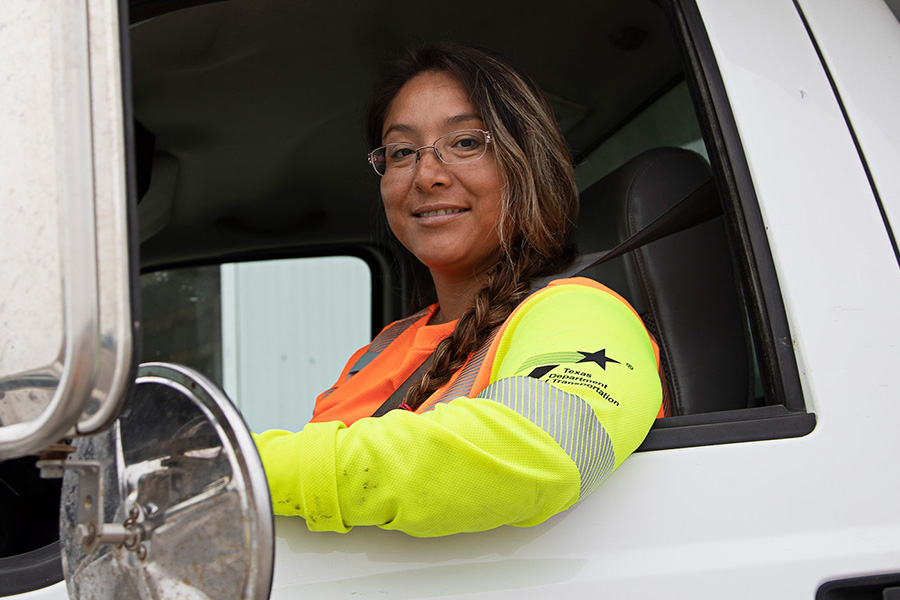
x=446 y=215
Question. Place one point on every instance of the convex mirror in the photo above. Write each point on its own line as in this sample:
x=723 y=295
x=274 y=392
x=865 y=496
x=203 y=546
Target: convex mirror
x=170 y=502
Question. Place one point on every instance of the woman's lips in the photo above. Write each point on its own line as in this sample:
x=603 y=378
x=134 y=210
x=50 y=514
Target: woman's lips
x=438 y=213
x=434 y=218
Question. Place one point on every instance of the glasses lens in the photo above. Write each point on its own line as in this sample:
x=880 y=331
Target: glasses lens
x=397 y=158
x=376 y=158
x=462 y=146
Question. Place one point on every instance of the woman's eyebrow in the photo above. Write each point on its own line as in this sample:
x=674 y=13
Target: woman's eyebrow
x=455 y=120
x=400 y=128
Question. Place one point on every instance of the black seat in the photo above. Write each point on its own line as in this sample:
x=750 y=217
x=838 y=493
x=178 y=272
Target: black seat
x=684 y=286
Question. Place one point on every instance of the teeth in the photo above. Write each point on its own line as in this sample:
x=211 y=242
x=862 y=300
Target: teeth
x=437 y=213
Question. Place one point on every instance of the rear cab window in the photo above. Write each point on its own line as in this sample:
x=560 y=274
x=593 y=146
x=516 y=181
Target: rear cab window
x=274 y=334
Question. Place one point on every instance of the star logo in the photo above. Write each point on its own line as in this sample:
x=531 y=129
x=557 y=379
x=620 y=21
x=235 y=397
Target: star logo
x=541 y=371
x=542 y=364
x=598 y=357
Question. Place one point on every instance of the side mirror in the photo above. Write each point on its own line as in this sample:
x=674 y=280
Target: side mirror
x=170 y=502
x=66 y=270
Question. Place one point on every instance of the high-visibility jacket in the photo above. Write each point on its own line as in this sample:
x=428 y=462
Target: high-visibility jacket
x=566 y=388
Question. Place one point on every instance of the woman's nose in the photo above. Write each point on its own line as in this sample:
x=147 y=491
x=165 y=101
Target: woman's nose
x=430 y=170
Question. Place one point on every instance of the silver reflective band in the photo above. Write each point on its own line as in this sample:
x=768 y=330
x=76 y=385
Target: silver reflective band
x=456 y=147
x=567 y=418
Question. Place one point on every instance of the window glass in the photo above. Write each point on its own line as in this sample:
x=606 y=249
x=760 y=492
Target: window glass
x=669 y=121
x=274 y=333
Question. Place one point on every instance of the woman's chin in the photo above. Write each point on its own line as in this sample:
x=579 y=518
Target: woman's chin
x=457 y=267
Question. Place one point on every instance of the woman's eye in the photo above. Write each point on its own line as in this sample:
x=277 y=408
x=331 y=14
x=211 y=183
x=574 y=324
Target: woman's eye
x=466 y=143
x=401 y=152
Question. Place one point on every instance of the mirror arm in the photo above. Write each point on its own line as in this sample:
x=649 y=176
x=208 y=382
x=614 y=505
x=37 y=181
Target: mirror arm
x=91 y=532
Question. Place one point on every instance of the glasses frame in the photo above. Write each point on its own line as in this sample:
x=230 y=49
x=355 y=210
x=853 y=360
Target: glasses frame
x=488 y=138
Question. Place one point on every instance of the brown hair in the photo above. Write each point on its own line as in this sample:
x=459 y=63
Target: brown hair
x=539 y=200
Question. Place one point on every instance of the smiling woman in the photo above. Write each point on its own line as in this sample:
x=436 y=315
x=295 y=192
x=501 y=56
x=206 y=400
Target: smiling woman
x=249 y=158
x=491 y=406
x=447 y=215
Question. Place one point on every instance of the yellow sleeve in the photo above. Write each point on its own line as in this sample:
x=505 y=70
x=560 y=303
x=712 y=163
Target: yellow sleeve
x=466 y=466
x=526 y=449
x=589 y=343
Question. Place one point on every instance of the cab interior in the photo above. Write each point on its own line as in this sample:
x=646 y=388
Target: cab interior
x=248 y=120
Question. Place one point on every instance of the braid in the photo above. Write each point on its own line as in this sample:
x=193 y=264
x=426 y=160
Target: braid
x=493 y=303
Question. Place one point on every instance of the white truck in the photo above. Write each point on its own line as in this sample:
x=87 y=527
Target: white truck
x=157 y=155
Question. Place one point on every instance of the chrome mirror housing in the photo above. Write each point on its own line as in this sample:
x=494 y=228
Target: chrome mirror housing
x=67 y=272
x=170 y=502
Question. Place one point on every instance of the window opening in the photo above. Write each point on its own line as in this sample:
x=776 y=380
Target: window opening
x=273 y=334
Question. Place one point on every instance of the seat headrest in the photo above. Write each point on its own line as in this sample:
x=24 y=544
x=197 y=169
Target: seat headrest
x=683 y=286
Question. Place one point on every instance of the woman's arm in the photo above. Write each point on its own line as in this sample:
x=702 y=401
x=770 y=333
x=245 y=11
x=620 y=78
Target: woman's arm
x=574 y=391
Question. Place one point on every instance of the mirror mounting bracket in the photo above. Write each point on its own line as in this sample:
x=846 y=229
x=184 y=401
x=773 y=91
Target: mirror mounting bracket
x=91 y=532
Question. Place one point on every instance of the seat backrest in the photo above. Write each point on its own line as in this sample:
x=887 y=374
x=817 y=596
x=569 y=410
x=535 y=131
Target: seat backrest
x=684 y=285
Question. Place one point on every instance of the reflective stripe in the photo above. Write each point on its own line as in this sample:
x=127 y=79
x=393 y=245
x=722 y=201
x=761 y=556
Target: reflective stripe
x=377 y=346
x=383 y=340
x=567 y=418
x=463 y=385
x=398 y=398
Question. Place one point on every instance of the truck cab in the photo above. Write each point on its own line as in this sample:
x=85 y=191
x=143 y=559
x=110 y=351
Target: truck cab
x=192 y=245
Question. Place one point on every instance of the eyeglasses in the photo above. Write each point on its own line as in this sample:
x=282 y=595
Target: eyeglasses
x=467 y=145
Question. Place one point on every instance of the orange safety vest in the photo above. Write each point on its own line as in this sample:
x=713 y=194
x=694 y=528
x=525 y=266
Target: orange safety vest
x=402 y=352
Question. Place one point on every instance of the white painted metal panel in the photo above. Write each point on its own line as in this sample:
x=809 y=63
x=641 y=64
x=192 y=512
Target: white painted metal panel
x=860 y=43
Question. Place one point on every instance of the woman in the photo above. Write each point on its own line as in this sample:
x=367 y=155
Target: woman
x=491 y=406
